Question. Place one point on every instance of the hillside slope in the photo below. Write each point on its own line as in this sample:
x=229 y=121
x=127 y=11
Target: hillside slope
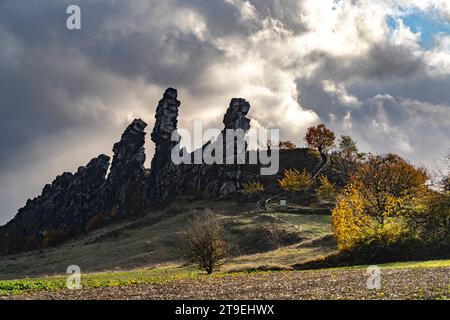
x=156 y=238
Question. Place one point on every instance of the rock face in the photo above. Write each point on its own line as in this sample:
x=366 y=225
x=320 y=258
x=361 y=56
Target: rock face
x=199 y=180
x=166 y=121
x=125 y=186
x=73 y=200
x=67 y=203
x=226 y=179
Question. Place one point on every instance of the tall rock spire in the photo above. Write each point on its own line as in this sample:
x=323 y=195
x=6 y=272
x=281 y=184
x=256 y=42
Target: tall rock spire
x=165 y=124
x=226 y=179
x=200 y=180
x=126 y=179
x=235 y=117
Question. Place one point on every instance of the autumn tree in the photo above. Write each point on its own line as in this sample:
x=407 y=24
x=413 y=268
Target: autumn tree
x=434 y=223
x=287 y=145
x=348 y=157
x=295 y=181
x=327 y=191
x=205 y=241
x=381 y=192
x=442 y=174
x=253 y=188
x=347 y=147
x=322 y=139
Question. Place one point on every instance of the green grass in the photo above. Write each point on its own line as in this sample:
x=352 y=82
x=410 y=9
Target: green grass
x=161 y=275
x=97 y=280
x=403 y=265
x=315 y=225
x=419 y=264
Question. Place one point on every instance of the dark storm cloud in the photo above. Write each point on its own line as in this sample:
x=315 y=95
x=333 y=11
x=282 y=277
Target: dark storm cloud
x=66 y=96
x=47 y=73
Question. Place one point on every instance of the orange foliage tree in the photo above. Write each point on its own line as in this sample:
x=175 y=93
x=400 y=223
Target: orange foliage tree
x=320 y=137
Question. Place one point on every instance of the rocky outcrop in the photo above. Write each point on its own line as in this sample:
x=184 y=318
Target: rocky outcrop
x=162 y=172
x=200 y=180
x=68 y=202
x=73 y=200
x=224 y=180
x=125 y=186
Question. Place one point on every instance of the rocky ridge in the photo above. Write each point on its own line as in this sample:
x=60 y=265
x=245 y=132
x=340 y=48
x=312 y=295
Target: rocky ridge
x=71 y=201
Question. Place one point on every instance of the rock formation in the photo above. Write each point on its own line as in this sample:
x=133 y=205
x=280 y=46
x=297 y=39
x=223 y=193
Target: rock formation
x=67 y=203
x=125 y=186
x=161 y=172
x=200 y=180
x=72 y=200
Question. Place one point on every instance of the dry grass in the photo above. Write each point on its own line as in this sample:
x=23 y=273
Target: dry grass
x=155 y=238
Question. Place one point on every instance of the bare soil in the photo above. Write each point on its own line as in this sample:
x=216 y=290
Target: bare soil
x=396 y=283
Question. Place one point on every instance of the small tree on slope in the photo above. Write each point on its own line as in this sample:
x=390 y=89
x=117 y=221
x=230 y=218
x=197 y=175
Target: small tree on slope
x=205 y=243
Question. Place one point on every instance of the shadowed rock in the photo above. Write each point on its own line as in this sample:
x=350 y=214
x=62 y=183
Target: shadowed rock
x=67 y=203
x=126 y=178
x=200 y=180
x=72 y=200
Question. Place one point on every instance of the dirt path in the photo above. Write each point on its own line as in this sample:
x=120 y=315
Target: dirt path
x=415 y=283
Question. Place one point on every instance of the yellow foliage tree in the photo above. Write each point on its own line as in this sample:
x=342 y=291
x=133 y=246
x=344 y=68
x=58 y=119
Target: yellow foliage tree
x=252 y=188
x=295 y=181
x=350 y=224
x=327 y=190
x=384 y=193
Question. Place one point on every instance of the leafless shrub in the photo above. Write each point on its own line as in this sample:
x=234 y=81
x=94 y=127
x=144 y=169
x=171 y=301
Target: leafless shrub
x=205 y=242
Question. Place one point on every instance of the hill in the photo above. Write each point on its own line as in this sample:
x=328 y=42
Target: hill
x=155 y=238
x=140 y=258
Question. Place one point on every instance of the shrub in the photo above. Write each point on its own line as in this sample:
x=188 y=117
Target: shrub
x=287 y=145
x=327 y=191
x=295 y=181
x=205 y=243
x=96 y=222
x=54 y=237
x=381 y=250
x=32 y=242
x=253 y=188
x=12 y=241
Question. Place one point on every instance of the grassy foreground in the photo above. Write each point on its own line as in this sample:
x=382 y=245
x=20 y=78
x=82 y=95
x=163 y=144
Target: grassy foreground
x=140 y=259
x=117 y=284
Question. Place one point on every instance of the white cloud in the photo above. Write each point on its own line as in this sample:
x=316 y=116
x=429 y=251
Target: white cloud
x=340 y=92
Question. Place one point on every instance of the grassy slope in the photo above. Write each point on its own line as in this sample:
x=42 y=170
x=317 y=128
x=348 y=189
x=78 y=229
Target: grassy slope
x=155 y=239
x=146 y=252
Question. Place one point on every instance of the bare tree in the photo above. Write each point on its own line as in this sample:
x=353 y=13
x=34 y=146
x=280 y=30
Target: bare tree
x=441 y=174
x=205 y=243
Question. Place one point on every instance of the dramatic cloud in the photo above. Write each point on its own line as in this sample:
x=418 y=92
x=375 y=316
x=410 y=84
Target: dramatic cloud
x=376 y=70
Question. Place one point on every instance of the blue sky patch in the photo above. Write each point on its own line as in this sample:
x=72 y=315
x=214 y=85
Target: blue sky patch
x=428 y=23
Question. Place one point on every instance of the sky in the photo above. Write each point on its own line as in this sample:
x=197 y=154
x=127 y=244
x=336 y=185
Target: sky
x=378 y=71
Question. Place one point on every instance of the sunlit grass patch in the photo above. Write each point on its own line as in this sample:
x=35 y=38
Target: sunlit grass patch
x=98 y=280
